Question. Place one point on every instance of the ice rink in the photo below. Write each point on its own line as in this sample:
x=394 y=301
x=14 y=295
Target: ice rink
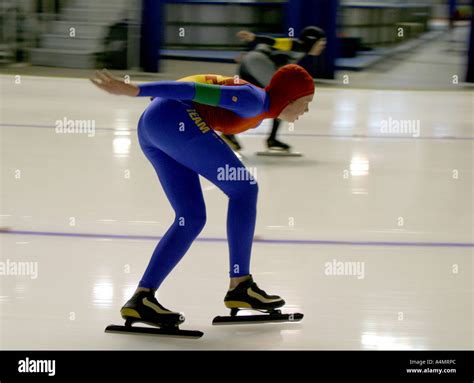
x=392 y=209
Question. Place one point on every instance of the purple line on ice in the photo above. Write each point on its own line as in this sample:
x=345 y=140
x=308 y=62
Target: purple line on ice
x=280 y=241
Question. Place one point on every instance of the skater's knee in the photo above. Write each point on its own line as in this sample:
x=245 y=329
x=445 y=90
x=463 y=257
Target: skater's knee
x=253 y=188
x=247 y=190
x=196 y=224
x=192 y=223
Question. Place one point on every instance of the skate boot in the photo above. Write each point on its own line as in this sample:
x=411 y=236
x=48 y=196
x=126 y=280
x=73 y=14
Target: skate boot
x=275 y=145
x=143 y=307
x=277 y=148
x=247 y=295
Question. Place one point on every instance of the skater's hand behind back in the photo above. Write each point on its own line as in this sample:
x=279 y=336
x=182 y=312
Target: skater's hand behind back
x=105 y=81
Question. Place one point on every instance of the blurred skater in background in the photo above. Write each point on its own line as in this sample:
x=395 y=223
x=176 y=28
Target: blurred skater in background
x=269 y=54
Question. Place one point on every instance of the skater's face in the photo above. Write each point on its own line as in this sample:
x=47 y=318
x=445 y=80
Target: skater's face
x=295 y=109
x=318 y=47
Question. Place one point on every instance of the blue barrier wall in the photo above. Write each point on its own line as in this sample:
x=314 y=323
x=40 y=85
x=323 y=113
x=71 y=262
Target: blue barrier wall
x=470 y=55
x=321 y=13
x=151 y=34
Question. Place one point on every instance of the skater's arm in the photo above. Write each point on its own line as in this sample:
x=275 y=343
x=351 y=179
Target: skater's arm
x=279 y=43
x=244 y=100
x=251 y=37
x=105 y=81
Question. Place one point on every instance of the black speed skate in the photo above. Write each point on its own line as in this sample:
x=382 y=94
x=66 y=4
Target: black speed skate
x=277 y=148
x=143 y=307
x=274 y=144
x=248 y=296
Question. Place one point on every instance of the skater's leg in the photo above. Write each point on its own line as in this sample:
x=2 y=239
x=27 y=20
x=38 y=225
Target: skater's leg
x=272 y=141
x=257 y=68
x=183 y=189
x=276 y=125
x=243 y=193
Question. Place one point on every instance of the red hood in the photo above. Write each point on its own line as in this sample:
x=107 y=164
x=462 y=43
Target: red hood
x=289 y=83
